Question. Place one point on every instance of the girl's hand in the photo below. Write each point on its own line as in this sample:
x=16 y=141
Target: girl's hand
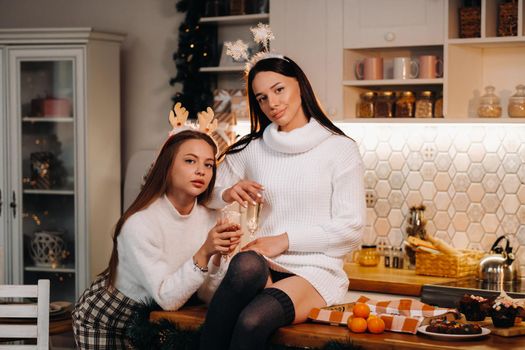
x=269 y=246
x=222 y=239
x=244 y=191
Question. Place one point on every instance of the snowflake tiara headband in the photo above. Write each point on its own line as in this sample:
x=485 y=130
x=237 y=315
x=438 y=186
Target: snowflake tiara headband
x=262 y=35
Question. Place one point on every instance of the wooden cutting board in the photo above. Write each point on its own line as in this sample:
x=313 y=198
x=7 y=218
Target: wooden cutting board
x=389 y=280
x=514 y=331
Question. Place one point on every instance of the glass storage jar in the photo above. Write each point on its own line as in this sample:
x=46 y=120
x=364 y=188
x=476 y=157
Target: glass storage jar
x=517 y=102
x=424 y=105
x=368 y=255
x=438 y=107
x=384 y=105
x=489 y=105
x=365 y=106
x=405 y=105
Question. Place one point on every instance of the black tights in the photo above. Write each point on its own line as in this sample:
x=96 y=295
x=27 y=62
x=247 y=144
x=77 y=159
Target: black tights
x=242 y=314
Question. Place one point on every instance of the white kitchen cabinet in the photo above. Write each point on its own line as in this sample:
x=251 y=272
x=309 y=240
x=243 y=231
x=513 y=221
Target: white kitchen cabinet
x=3 y=173
x=60 y=155
x=386 y=23
x=473 y=63
x=309 y=32
x=469 y=64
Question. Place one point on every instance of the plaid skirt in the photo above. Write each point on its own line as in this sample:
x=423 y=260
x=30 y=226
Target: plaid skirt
x=101 y=316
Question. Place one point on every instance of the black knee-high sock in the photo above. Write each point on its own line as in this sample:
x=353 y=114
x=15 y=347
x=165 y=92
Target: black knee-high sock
x=246 y=277
x=271 y=309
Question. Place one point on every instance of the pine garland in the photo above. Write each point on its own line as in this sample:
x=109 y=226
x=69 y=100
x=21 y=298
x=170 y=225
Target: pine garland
x=165 y=335
x=197 y=48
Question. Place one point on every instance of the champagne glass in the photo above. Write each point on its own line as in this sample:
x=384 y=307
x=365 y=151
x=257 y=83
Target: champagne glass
x=253 y=213
x=233 y=217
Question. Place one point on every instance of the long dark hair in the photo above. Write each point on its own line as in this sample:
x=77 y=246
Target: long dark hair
x=259 y=121
x=156 y=185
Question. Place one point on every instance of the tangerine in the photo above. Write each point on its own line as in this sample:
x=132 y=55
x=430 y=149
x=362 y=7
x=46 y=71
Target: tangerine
x=357 y=324
x=376 y=325
x=361 y=310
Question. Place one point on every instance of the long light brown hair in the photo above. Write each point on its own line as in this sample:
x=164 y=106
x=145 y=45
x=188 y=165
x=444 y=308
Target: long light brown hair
x=156 y=185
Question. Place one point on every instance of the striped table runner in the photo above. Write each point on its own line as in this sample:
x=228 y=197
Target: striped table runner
x=404 y=315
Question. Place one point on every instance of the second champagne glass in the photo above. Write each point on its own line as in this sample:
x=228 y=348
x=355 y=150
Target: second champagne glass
x=253 y=213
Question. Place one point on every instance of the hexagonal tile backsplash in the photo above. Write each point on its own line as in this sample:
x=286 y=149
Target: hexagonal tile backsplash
x=470 y=177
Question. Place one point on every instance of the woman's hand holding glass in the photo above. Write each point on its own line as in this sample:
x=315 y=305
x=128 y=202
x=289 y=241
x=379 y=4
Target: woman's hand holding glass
x=222 y=239
x=244 y=192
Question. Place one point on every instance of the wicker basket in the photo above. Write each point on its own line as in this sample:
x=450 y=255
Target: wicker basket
x=444 y=265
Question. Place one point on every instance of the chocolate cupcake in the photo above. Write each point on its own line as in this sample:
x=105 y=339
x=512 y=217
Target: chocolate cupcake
x=475 y=308
x=504 y=310
x=503 y=315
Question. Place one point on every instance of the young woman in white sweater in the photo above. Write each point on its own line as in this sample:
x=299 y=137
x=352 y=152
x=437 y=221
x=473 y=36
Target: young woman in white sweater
x=310 y=176
x=166 y=246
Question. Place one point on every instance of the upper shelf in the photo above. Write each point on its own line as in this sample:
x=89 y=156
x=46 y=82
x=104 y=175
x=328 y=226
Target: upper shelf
x=510 y=41
x=392 y=82
x=448 y=120
x=240 y=19
x=47 y=119
x=222 y=69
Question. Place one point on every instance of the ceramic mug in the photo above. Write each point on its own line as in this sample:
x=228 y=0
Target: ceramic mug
x=405 y=68
x=430 y=67
x=370 y=68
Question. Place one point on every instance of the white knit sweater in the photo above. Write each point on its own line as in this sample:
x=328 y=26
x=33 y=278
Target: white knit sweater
x=156 y=248
x=314 y=191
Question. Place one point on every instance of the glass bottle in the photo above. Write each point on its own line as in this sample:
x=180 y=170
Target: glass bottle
x=397 y=258
x=405 y=105
x=424 y=105
x=489 y=105
x=438 y=107
x=388 y=256
x=381 y=246
x=365 y=106
x=384 y=105
x=517 y=102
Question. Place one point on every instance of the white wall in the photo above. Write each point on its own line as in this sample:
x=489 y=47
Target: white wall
x=151 y=27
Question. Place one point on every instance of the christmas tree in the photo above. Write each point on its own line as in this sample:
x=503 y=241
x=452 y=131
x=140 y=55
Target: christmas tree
x=197 y=48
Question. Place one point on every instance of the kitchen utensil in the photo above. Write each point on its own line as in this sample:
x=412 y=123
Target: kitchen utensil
x=500 y=265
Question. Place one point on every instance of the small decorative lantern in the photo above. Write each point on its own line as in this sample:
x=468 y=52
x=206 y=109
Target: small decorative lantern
x=47 y=248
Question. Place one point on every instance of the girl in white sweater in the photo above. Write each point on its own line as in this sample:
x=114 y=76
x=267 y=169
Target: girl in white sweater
x=162 y=247
x=310 y=177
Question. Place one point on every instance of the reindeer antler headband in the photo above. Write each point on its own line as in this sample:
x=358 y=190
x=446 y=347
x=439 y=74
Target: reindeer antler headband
x=178 y=120
x=238 y=50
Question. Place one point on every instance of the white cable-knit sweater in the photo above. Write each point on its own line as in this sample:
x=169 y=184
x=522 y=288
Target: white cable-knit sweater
x=314 y=191
x=156 y=248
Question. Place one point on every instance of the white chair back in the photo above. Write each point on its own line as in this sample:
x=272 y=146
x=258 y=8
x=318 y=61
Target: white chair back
x=17 y=310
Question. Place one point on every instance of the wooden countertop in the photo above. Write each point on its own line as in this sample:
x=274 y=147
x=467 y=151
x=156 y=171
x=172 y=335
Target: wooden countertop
x=388 y=280
x=317 y=335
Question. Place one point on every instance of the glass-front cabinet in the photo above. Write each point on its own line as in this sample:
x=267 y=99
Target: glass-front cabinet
x=43 y=161
x=54 y=120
